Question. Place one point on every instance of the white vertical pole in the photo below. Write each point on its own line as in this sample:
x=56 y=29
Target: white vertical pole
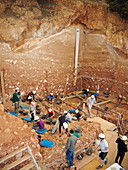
x=76 y=55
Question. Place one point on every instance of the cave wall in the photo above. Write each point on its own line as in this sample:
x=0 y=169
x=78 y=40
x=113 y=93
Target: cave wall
x=38 y=46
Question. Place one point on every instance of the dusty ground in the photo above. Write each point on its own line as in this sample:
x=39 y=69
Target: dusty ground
x=52 y=159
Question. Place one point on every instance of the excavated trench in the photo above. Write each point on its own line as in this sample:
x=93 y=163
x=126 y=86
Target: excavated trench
x=37 y=52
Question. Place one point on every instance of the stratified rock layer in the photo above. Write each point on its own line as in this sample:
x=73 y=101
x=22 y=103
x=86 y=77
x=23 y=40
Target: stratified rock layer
x=38 y=46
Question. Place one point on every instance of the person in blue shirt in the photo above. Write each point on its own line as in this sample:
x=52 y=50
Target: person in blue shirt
x=51 y=98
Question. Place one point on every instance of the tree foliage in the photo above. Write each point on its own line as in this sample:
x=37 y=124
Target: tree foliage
x=120 y=6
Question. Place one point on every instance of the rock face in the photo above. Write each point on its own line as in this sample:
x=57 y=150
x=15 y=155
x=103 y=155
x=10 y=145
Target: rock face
x=15 y=134
x=38 y=46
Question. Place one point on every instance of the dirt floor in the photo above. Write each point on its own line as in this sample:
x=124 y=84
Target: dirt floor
x=52 y=159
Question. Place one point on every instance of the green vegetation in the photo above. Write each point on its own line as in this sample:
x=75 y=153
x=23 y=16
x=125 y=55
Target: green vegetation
x=120 y=6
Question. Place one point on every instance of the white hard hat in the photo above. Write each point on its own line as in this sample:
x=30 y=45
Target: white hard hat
x=36 y=117
x=97 y=91
x=51 y=94
x=124 y=137
x=88 y=90
x=34 y=92
x=101 y=135
x=50 y=109
x=92 y=96
x=17 y=88
x=77 y=110
x=65 y=112
x=29 y=97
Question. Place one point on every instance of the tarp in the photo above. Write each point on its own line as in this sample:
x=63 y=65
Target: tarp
x=47 y=143
x=12 y=113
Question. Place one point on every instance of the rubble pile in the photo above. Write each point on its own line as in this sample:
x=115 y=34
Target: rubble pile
x=15 y=134
x=55 y=157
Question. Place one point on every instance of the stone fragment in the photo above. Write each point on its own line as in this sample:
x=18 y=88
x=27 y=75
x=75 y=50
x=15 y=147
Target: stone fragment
x=7 y=130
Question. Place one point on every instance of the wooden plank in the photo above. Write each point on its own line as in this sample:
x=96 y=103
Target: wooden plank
x=68 y=97
x=97 y=104
x=17 y=162
x=2 y=85
x=80 y=163
x=28 y=166
x=13 y=153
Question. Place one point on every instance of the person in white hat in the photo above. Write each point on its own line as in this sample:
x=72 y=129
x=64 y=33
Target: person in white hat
x=103 y=150
x=32 y=94
x=50 y=113
x=16 y=100
x=51 y=98
x=62 y=122
x=122 y=148
x=78 y=115
x=90 y=101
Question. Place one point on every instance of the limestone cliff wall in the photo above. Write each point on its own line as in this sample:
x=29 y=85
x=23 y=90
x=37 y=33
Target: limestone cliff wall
x=38 y=45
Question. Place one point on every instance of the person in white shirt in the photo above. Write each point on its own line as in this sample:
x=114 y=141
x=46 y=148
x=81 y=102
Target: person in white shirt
x=103 y=150
x=32 y=109
x=90 y=101
x=68 y=117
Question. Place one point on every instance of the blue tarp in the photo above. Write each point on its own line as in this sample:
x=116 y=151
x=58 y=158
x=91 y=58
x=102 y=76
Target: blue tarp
x=80 y=109
x=12 y=113
x=41 y=131
x=28 y=119
x=23 y=106
x=47 y=143
x=72 y=111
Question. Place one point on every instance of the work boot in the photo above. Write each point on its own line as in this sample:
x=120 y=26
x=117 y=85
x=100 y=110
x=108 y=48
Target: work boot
x=106 y=161
x=99 y=167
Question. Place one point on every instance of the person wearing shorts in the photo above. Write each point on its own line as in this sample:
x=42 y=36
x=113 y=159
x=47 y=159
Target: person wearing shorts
x=103 y=151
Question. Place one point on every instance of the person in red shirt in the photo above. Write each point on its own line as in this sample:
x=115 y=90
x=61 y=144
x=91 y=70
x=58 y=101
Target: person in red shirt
x=51 y=113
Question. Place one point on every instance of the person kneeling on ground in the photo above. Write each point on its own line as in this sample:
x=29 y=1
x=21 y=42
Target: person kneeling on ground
x=70 y=147
x=51 y=98
x=78 y=115
x=103 y=151
x=51 y=113
x=40 y=122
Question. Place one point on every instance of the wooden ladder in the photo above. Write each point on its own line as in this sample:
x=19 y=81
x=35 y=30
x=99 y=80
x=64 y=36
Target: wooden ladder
x=27 y=156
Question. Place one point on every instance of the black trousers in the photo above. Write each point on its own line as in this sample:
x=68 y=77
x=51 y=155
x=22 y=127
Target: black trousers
x=66 y=130
x=121 y=155
x=32 y=116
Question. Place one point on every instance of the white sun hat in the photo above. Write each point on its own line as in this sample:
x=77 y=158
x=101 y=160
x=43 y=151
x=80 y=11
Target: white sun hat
x=92 y=96
x=65 y=112
x=50 y=109
x=34 y=92
x=124 y=137
x=101 y=135
x=77 y=110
